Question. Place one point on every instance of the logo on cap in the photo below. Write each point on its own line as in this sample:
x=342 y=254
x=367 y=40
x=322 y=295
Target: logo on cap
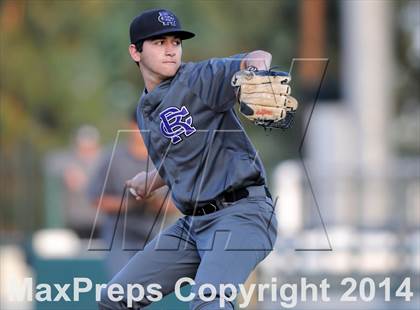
x=167 y=19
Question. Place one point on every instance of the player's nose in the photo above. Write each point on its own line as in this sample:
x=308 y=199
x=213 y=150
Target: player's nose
x=170 y=51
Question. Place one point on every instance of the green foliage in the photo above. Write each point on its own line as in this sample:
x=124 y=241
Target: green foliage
x=65 y=63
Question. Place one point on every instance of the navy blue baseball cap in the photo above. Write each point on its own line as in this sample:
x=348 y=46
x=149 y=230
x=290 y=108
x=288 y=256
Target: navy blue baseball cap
x=156 y=22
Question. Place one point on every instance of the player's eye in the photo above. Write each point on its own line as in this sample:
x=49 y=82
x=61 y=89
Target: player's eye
x=177 y=42
x=159 y=42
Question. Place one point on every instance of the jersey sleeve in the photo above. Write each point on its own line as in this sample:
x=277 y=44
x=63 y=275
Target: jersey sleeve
x=211 y=81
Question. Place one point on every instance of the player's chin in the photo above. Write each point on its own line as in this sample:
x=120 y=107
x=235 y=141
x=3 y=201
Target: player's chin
x=169 y=69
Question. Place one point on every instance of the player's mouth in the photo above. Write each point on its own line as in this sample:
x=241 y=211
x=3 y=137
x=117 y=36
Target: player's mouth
x=169 y=62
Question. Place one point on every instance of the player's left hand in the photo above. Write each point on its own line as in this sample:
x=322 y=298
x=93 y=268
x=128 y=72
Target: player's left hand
x=264 y=97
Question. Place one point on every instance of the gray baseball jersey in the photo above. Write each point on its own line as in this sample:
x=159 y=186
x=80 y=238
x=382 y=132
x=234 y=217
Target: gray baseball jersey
x=194 y=136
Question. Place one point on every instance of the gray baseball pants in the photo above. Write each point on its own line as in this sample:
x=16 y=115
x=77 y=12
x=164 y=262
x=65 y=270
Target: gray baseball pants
x=222 y=247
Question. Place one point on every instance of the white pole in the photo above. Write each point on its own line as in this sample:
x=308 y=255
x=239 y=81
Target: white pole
x=368 y=89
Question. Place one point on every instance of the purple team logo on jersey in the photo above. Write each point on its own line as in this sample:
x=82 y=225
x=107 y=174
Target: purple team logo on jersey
x=167 y=19
x=173 y=123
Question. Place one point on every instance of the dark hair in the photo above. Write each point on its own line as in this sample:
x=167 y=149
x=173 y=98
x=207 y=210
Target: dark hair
x=139 y=48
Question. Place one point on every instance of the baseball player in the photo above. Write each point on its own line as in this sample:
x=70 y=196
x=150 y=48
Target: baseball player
x=200 y=150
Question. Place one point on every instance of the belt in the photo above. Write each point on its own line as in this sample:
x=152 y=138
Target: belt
x=225 y=199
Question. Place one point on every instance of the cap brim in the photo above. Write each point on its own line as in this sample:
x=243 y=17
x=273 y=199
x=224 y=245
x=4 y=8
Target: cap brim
x=182 y=34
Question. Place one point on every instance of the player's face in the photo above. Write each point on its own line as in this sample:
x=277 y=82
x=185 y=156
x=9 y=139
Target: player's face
x=161 y=57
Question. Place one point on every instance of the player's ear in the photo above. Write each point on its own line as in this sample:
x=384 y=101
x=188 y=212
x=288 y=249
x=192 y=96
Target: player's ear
x=134 y=53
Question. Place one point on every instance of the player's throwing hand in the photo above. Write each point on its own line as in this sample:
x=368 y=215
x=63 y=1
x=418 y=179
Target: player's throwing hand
x=143 y=184
x=137 y=185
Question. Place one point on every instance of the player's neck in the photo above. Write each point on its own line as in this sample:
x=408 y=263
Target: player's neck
x=150 y=85
x=150 y=79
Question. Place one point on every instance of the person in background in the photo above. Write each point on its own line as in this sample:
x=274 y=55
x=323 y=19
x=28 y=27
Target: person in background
x=78 y=165
x=135 y=223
